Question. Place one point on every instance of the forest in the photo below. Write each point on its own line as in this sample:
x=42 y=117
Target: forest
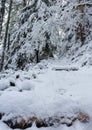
x=45 y=64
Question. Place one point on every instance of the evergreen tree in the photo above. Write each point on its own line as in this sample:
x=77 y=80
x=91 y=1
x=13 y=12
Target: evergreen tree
x=5 y=37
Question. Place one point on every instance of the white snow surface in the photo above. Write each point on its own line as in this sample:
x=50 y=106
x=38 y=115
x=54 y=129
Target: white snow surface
x=43 y=92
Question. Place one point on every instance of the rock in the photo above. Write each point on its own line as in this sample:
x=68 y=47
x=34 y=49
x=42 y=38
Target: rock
x=17 y=76
x=12 y=84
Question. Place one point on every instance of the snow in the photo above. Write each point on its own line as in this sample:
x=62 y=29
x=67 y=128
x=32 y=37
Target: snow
x=51 y=88
x=3 y=126
x=50 y=93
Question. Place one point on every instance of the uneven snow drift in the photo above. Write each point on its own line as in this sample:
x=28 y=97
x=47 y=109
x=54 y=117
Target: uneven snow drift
x=49 y=93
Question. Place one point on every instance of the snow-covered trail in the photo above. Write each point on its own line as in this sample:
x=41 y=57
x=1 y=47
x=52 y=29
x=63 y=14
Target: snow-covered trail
x=67 y=89
x=54 y=93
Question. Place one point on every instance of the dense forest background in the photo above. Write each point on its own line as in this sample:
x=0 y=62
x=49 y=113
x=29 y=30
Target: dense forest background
x=32 y=30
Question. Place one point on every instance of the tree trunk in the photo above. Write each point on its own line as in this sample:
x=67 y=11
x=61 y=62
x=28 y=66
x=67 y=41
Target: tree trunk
x=5 y=37
x=24 y=3
x=2 y=12
x=80 y=35
x=8 y=42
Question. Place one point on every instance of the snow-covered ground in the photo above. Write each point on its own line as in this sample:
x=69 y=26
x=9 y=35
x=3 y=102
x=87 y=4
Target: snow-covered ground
x=44 y=92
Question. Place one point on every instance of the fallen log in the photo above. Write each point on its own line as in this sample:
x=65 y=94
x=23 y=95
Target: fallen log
x=65 y=68
x=19 y=122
